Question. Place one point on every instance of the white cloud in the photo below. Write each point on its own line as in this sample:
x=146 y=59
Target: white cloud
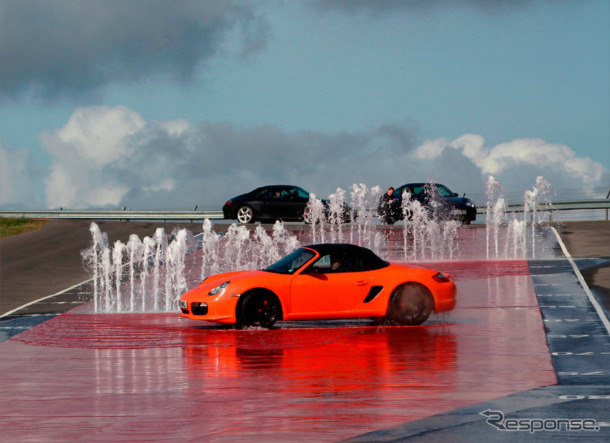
x=93 y=138
x=112 y=157
x=98 y=134
x=472 y=146
x=535 y=152
x=431 y=149
x=176 y=127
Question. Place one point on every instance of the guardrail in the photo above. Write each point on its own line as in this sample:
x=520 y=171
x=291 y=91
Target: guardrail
x=127 y=215
x=576 y=205
x=117 y=215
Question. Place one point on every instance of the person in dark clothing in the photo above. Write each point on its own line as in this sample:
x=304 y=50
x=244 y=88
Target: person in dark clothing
x=389 y=207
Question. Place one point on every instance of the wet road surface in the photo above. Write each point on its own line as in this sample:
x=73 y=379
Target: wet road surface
x=524 y=341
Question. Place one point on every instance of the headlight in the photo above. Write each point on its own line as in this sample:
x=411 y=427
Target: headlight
x=470 y=204
x=182 y=304
x=219 y=288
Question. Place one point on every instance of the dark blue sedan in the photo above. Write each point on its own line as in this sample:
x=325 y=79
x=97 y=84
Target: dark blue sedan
x=440 y=202
x=275 y=202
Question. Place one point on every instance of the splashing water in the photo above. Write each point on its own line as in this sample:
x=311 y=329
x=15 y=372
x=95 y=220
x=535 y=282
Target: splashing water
x=423 y=236
x=135 y=250
x=317 y=218
x=117 y=262
x=513 y=243
x=496 y=215
x=533 y=201
x=93 y=258
x=149 y=251
x=176 y=252
x=335 y=216
x=121 y=274
x=210 y=250
x=150 y=275
x=363 y=198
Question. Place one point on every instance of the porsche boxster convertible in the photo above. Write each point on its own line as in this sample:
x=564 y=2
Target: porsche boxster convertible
x=324 y=281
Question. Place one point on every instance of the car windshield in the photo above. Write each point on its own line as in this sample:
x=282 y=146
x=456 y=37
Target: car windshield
x=430 y=189
x=443 y=191
x=292 y=262
x=300 y=192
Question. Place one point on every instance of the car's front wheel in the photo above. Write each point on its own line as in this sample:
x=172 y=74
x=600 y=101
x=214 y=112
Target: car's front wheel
x=260 y=308
x=245 y=214
x=410 y=304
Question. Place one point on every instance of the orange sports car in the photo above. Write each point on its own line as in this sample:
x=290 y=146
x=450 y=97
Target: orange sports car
x=324 y=281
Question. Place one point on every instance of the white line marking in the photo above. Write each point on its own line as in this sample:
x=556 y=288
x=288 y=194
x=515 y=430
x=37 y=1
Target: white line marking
x=583 y=283
x=44 y=298
x=62 y=291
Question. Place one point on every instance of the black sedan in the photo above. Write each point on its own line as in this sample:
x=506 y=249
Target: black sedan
x=275 y=202
x=440 y=202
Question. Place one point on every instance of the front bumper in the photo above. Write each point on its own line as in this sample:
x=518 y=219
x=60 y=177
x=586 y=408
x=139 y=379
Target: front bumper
x=223 y=312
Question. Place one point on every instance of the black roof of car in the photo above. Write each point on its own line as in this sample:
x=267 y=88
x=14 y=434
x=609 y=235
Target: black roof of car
x=278 y=186
x=372 y=260
x=422 y=184
x=260 y=188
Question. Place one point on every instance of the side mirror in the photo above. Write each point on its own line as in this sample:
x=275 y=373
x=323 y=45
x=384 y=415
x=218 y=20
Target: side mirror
x=317 y=273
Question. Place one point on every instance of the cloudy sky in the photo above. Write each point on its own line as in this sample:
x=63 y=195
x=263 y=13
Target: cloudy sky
x=159 y=104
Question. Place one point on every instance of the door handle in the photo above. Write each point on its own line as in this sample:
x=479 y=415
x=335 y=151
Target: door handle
x=362 y=283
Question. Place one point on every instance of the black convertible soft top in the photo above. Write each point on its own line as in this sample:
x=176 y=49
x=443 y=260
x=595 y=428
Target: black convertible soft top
x=370 y=261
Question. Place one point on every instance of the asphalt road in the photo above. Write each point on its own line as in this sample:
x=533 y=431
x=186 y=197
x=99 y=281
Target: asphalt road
x=589 y=244
x=40 y=263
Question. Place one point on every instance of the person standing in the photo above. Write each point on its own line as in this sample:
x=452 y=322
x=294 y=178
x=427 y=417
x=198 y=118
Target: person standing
x=387 y=206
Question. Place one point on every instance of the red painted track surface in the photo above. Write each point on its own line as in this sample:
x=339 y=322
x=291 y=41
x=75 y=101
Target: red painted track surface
x=158 y=377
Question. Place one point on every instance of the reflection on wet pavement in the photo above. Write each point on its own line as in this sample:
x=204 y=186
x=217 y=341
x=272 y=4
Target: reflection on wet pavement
x=159 y=376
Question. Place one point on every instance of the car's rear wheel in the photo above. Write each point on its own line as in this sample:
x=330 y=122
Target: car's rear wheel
x=245 y=214
x=260 y=308
x=410 y=304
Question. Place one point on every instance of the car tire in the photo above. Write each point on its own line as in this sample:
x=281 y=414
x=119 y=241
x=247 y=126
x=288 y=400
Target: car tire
x=245 y=214
x=260 y=308
x=410 y=304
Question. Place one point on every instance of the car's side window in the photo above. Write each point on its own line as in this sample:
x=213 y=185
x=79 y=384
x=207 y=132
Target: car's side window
x=417 y=190
x=265 y=193
x=322 y=264
x=333 y=263
x=275 y=194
